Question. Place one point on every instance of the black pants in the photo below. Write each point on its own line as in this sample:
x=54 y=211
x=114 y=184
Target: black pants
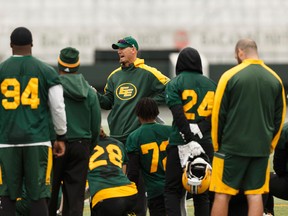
x=141 y=203
x=238 y=205
x=278 y=187
x=72 y=169
x=119 y=206
x=174 y=190
x=156 y=206
x=10 y=207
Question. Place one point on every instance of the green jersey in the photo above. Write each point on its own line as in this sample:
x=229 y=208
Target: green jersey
x=24 y=110
x=105 y=176
x=195 y=93
x=249 y=110
x=80 y=98
x=149 y=141
x=124 y=88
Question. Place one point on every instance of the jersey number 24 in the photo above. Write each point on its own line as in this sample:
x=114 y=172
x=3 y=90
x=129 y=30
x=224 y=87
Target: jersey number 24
x=205 y=107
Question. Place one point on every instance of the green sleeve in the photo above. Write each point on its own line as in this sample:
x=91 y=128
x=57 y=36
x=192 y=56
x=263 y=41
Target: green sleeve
x=125 y=156
x=105 y=100
x=172 y=94
x=131 y=143
x=158 y=86
x=95 y=119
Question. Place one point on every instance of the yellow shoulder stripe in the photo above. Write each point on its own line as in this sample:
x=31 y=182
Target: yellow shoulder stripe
x=218 y=98
x=161 y=77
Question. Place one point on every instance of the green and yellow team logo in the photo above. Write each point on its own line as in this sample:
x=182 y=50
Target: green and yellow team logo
x=126 y=91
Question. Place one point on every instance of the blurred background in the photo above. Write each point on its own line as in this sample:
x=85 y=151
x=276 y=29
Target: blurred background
x=161 y=27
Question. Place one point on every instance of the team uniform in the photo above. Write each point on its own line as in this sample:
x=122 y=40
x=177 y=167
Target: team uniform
x=146 y=148
x=111 y=191
x=26 y=83
x=125 y=87
x=83 y=122
x=196 y=97
x=247 y=118
x=192 y=93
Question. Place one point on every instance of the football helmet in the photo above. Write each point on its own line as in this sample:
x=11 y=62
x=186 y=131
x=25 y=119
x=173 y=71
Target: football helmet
x=197 y=174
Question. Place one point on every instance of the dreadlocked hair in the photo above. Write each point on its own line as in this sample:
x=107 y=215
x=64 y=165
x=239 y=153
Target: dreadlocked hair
x=147 y=109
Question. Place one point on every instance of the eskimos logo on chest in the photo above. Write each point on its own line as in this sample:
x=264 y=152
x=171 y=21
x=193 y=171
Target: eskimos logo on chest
x=126 y=91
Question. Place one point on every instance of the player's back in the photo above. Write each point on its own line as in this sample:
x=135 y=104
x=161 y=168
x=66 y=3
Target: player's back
x=25 y=82
x=150 y=142
x=105 y=166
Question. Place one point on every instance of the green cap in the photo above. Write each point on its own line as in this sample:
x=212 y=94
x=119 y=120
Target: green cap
x=68 y=60
x=126 y=42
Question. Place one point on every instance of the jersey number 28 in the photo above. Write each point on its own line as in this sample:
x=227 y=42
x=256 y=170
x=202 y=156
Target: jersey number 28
x=114 y=156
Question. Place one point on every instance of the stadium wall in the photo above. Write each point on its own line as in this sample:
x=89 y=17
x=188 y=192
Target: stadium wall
x=98 y=74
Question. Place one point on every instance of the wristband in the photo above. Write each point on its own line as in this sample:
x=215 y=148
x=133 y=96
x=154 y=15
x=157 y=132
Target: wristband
x=61 y=137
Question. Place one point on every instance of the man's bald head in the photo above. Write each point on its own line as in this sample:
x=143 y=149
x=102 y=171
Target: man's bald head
x=246 y=49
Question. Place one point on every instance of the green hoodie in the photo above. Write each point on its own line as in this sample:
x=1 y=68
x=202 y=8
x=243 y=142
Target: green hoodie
x=82 y=108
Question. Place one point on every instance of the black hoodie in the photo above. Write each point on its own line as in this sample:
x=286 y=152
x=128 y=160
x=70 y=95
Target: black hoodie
x=189 y=60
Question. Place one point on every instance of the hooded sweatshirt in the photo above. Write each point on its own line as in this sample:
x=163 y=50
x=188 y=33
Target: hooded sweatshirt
x=190 y=96
x=82 y=108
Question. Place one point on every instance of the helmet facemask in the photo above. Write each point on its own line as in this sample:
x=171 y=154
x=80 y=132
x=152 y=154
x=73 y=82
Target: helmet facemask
x=197 y=174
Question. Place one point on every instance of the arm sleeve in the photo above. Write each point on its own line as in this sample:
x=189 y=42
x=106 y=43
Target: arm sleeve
x=95 y=120
x=158 y=86
x=219 y=113
x=182 y=123
x=280 y=114
x=57 y=108
x=159 y=98
x=133 y=167
x=105 y=100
